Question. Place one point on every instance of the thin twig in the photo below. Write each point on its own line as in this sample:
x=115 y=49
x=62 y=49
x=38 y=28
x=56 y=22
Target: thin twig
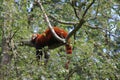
x=88 y=8
x=102 y=29
x=14 y=33
x=72 y=71
x=75 y=11
x=63 y=22
x=97 y=8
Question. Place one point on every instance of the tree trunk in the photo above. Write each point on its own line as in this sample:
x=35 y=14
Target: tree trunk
x=6 y=51
x=7 y=47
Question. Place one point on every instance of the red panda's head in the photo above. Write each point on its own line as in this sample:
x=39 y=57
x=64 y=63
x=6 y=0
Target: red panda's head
x=33 y=38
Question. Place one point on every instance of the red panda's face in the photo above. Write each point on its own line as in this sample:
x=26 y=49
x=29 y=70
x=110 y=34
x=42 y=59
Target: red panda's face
x=34 y=36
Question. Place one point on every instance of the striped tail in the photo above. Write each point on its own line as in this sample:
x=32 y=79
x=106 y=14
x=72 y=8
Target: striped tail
x=68 y=49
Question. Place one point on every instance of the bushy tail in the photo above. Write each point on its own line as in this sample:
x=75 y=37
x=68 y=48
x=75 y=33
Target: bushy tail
x=68 y=49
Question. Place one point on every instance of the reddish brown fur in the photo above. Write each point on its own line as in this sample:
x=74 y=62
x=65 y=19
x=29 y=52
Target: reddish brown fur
x=47 y=39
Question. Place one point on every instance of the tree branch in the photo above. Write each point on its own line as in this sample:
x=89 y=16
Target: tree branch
x=88 y=8
x=63 y=22
x=70 y=74
x=75 y=29
x=48 y=22
x=25 y=42
x=13 y=34
x=81 y=22
x=28 y=43
x=73 y=3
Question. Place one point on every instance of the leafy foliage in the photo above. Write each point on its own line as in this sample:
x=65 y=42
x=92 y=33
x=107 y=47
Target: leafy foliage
x=95 y=45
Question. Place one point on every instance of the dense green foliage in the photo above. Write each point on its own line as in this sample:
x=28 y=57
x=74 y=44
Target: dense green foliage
x=96 y=46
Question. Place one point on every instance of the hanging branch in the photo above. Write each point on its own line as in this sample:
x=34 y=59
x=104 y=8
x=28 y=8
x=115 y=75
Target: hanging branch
x=48 y=22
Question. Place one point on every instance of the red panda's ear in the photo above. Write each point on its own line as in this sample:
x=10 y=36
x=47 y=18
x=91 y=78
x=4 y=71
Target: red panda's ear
x=34 y=36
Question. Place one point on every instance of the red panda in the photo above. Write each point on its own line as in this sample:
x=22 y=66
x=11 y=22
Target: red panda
x=47 y=39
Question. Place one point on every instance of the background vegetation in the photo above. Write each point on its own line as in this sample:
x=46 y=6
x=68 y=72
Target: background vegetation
x=96 y=45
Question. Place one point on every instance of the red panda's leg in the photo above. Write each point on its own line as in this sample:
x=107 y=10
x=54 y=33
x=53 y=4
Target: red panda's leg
x=46 y=56
x=39 y=54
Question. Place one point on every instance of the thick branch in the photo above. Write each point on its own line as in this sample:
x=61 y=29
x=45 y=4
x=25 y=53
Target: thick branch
x=76 y=29
x=48 y=22
x=26 y=42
